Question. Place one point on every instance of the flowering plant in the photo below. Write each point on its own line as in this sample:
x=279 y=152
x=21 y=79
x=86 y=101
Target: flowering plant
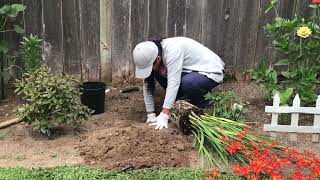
x=231 y=141
x=316 y=1
x=298 y=42
x=275 y=165
x=232 y=144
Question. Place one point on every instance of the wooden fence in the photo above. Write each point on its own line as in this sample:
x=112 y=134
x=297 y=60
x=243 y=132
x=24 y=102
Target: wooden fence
x=95 y=38
x=294 y=127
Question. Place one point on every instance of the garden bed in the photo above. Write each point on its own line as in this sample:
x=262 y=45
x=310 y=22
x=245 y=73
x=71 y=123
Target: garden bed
x=119 y=139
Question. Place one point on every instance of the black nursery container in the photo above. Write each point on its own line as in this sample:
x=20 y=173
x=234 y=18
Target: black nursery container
x=93 y=95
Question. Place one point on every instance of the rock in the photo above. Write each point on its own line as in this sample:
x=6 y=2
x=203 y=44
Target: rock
x=162 y=142
x=101 y=137
x=180 y=147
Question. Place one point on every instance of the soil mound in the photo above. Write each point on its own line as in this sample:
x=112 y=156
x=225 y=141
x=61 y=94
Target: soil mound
x=136 y=147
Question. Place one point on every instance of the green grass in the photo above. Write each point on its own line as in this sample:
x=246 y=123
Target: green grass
x=76 y=172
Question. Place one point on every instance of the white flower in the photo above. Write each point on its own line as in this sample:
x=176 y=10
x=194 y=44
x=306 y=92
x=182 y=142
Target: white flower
x=237 y=106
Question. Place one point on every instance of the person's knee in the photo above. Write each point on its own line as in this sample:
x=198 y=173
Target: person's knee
x=189 y=87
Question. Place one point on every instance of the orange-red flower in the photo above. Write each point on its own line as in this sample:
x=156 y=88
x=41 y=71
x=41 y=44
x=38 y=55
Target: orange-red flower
x=309 y=153
x=214 y=173
x=224 y=140
x=254 y=178
x=297 y=176
x=233 y=148
x=309 y=178
x=237 y=169
x=315 y=1
x=286 y=150
x=242 y=134
x=276 y=176
x=316 y=171
x=302 y=162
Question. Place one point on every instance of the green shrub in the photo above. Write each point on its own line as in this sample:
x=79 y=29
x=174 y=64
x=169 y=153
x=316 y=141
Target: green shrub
x=297 y=42
x=52 y=101
x=226 y=105
x=8 y=14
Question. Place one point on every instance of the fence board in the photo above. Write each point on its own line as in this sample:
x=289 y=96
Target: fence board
x=213 y=24
x=33 y=17
x=90 y=38
x=176 y=18
x=139 y=23
x=106 y=39
x=248 y=32
x=158 y=14
x=286 y=8
x=287 y=109
x=295 y=118
x=291 y=129
x=230 y=26
x=121 y=39
x=71 y=36
x=53 y=31
x=194 y=19
x=264 y=47
x=303 y=8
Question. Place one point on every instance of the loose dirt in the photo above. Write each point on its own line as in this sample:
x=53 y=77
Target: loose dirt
x=119 y=138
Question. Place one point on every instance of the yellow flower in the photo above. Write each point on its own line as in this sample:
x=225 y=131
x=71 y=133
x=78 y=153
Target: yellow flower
x=304 y=32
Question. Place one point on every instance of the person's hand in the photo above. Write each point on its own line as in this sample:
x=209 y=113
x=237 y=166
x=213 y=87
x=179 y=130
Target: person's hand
x=151 y=118
x=161 y=121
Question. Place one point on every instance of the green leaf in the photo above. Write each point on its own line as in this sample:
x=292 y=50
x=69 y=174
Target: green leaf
x=313 y=6
x=274 y=76
x=15 y=9
x=285 y=96
x=3 y=46
x=286 y=74
x=268 y=9
x=4 y=9
x=18 y=29
x=282 y=62
x=18 y=7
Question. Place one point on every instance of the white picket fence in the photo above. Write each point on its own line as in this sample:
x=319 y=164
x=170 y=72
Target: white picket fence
x=294 y=110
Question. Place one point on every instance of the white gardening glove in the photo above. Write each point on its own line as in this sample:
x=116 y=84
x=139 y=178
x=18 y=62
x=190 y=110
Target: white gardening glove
x=161 y=121
x=151 y=118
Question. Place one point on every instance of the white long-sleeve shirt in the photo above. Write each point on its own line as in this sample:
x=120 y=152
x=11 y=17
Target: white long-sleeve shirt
x=181 y=54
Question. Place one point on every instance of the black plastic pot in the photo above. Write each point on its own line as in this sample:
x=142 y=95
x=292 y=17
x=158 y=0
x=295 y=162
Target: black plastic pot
x=93 y=95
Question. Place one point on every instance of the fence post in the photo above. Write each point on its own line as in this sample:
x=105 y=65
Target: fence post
x=316 y=122
x=294 y=118
x=274 y=120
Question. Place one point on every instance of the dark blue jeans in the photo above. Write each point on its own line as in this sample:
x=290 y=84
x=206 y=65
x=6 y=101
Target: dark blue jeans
x=193 y=86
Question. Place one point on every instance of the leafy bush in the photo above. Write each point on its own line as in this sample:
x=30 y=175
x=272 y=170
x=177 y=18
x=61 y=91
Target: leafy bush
x=7 y=12
x=52 y=101
x=267 y=76
x=298 y=41
x=226 y=105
